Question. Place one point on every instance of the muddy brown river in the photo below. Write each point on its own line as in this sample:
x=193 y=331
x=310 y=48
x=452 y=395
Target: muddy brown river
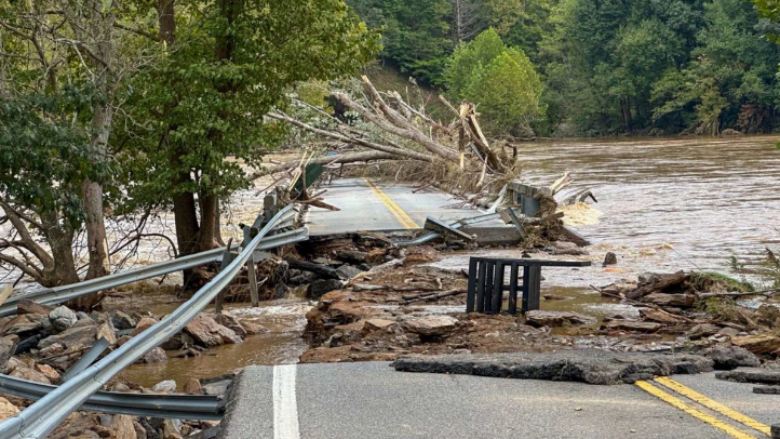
x=663 y=204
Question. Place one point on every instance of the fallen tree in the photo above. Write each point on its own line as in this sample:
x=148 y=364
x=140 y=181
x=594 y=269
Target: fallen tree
x=395 y=130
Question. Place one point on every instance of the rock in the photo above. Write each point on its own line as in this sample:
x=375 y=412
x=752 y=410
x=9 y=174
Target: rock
x=610 y=259
x=27 y=306
x=228 y=320
x=82 y=315
x=122 y=321
x=171 y=428
x=30 y=375
x=7 y=410
x=632 y=325
x=218 y=388
x=7 y=350
x=143 y=325
x=172 y=344
x=767 y=390
x=540 y=318
x=431 y=326
x=730 y=132
x=702 y=330
x=105 y=331
x=122 y=427
x=24 y=324
x=156 y=355
x=318 y=288
x=351 y=256
x=140 y=431
x=209 y=333
x=682 y=300
x=167 y=386
x=589 y=366
x=348 y=271
x=15 y=363
x=192 y=387
x=72 y=338
x=371 y=325
x=62 y=318
x=48 y=371
x=253 y=328
x=757 y=344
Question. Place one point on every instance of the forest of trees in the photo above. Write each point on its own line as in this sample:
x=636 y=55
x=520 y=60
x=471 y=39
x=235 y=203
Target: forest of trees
x=607 y=66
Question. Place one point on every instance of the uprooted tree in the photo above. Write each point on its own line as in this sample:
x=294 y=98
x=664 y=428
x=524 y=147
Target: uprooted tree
x=395 y=130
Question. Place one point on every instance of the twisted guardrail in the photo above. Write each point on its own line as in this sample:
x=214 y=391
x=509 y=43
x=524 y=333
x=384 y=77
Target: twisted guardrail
x=43 y=416
x=52 y=296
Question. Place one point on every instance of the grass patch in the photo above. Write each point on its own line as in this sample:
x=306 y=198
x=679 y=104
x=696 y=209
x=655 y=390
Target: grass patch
x=711 y=281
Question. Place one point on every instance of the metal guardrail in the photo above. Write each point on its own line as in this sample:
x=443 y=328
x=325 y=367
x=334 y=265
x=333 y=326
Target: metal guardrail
x=136 y=404
x=430 y=236
x=51 y=296
x=42 y=417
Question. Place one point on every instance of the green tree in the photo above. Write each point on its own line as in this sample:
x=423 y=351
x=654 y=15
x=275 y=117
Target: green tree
x=227 y=63
x=507 y=91
x=470 y=56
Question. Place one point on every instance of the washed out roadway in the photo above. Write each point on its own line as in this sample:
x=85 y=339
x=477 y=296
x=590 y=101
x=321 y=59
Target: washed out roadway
x=371 y=400
x=369 y=205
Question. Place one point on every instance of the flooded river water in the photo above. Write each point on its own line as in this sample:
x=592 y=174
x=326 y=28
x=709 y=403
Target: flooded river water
x=666 y=204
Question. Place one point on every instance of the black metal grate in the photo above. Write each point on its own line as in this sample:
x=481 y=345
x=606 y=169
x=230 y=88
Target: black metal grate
x=487 y=283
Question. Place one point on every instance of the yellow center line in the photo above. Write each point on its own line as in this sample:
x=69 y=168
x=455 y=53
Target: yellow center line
x=698 y=414
x=395 y=209
x=714 y=405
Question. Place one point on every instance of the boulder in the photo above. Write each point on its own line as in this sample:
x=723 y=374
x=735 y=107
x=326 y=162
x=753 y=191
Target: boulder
x=758 y=344
x=610 y=259
x=431 y=326
x=30 y=375
x=228 y=320
x=82 y=315
x=25 y=324
x=122 y=321
x=167 y=386
x=7 y=350
x=140 y=431
x=27 y=306
x=62 y=318
x=72 y=338
x=122 y=427
x=143 y=325
x=632 y=325
x=15 y=363
x=171 y=428
x=7 y=410
x=253 y=328
x=156 y=355
x=192 y=387
x=48 y=371
x=540 y=318
x=207 y=332
x=318 y=288
x=703 y=330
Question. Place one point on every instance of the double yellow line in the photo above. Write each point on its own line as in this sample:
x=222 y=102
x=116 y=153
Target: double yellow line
x=395 y=209
x=706 y=402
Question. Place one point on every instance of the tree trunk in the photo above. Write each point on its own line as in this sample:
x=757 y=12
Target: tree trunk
x=62 y=270
x=625 y=110
x=208 y=222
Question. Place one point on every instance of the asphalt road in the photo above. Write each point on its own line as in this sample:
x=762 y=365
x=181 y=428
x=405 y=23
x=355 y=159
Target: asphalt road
x=368 y=205
x=371 y=400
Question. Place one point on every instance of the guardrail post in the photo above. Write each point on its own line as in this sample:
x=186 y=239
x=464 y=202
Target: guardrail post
x=252 y=274
x=227 y=258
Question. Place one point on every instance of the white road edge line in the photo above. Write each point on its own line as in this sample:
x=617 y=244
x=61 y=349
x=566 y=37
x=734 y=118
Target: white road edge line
x=285 y=402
